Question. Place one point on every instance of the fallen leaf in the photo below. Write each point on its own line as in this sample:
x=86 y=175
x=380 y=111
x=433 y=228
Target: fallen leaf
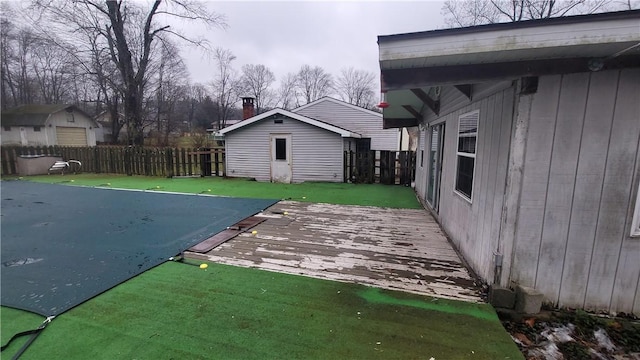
x=530 y=322
x=615 y=325
x=522 y=338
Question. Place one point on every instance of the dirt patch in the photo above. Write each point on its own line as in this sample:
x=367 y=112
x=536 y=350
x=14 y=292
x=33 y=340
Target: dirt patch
x=568 y=334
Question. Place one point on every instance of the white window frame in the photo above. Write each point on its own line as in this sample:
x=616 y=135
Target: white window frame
x=466 y=154
x=635 y=222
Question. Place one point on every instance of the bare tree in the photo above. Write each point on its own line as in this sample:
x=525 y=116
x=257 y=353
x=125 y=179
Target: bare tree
x=356 y=87
x=130 y=33
x=196 y=93
x=18 y=46
x=475 y=12
x=171 y=88
x=469 y=13
x=313 y=83
x=256 y=81
x=225 y=85
x=287 y=97
x=54 y=72
x=7 y=56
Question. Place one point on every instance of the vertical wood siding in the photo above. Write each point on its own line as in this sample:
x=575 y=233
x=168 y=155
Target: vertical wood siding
x=580 y=177
x=474 y=227
x=317 y=154
x=361 y=121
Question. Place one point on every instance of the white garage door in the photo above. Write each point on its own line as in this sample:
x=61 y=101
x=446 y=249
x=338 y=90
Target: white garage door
x=71 y=136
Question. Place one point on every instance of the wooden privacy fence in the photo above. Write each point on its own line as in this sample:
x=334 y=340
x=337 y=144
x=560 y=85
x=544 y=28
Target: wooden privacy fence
x=149 y=161
x=376 y=166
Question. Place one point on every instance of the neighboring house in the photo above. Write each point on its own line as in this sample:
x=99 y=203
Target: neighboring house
x=528 y=150
x=305 y=144
x=44 y=125
x=357 y=119
x=104 y=132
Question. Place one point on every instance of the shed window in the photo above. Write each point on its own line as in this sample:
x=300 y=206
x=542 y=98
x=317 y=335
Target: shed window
x=635 y=223
x=466 y=152
x=281 y=149
x=36 y=128
x=7 y=128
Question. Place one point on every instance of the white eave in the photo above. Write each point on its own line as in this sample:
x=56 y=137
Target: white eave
x=342 y=132
x=412 y=64
x=596 y=36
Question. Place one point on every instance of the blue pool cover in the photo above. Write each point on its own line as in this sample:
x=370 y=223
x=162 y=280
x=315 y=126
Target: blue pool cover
x=62 y=245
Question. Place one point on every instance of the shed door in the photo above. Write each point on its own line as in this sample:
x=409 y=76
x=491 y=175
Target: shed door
x=71 y=136
x=23 y=137
x=281 y=158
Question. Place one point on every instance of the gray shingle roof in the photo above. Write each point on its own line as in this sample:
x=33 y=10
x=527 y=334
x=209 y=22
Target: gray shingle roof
x=31 y=115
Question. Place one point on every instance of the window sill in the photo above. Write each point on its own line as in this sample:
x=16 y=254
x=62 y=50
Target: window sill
x=463 y=197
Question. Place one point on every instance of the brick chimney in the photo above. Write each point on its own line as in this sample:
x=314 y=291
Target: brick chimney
x=247 y=107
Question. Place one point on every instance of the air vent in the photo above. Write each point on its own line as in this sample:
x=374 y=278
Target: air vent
x=278 y=121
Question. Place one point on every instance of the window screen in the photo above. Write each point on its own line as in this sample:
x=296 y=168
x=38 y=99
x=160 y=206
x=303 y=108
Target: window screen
x=635 y=222
x=466 y=152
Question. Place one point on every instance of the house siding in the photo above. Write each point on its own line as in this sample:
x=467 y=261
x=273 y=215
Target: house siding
x=580 y=179
x=11 y=137
x=47 y=134
x=473 y=227
x=363 y=122
x=62 y=118
x=317 y=154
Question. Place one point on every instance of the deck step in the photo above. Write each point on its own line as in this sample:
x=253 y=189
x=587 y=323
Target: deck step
x=227 y=234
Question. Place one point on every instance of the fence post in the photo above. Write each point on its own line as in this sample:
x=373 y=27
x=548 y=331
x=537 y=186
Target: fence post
x=216 y=160
x=128 y=163
x=169 y=162
x=224 y=163
x=344 y=166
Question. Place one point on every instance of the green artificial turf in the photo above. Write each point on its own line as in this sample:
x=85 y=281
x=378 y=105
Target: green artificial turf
x=392 y=196
x=178 y=311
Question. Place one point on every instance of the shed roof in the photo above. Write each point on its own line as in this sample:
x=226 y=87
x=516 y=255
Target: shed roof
x=305 y=119
x=34 y=114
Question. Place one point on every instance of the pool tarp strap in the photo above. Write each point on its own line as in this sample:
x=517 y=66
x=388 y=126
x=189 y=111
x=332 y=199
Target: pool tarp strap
x=34 y=334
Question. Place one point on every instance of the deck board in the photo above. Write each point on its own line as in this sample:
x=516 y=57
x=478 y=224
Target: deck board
x=400 y=249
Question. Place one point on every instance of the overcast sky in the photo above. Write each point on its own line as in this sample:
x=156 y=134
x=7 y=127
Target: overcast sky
x=286 y=35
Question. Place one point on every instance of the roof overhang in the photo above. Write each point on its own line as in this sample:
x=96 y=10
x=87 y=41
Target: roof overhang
x=281 y=112
x=495 y=52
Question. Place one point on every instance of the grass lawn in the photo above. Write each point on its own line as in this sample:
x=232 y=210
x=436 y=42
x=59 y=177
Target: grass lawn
x=178 y=311
x=333 y=193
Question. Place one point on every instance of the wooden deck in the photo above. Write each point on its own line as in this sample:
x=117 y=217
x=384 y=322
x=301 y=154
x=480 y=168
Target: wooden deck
x=400 y=249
